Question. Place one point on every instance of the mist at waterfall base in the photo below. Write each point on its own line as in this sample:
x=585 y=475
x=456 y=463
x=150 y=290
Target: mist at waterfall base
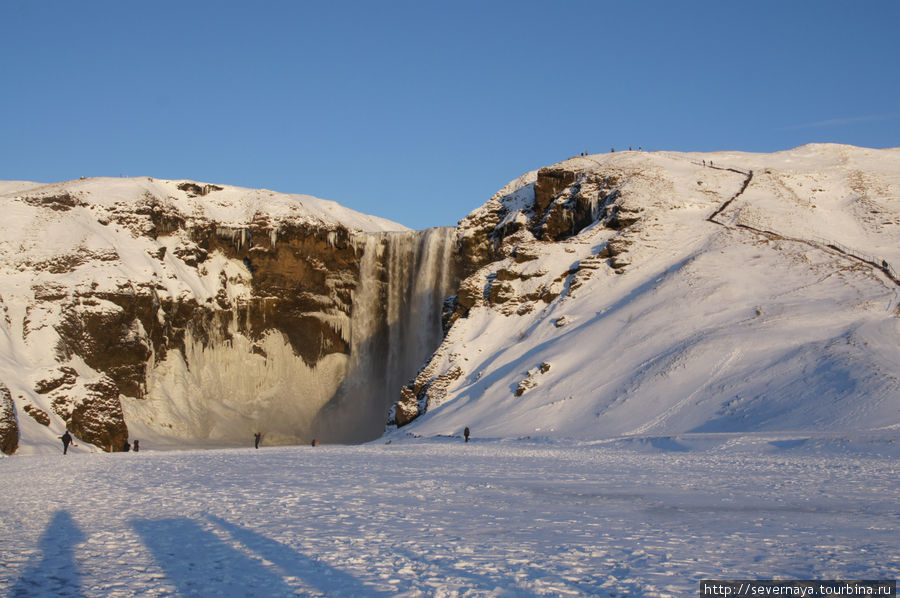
x=395 y=326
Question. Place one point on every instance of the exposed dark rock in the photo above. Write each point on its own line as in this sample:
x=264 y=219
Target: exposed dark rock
x=550 y=183
x=190 y=253
x=38 y=414
x=9 y=426
x=471 y=292
x=63 y=375
x=60 y=203
x=525 y=253
x=68 y=262
x=106 y=332
x=49 y=291
x=501 y=292
x=428 y=388
x=163 y=215
x=407 y=409
x=93 y=413
x=198 y=190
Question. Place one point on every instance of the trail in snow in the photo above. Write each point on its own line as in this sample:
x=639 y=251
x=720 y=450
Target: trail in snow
x=879 y=264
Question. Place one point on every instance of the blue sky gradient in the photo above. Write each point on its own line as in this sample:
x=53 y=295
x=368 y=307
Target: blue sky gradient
x=419 y=111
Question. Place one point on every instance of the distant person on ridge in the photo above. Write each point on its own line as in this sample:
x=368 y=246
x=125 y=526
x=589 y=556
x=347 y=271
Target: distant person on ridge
x=256 y=438
x=466 y=433
x=66 y=440
x=137 y=445
x=126 y=447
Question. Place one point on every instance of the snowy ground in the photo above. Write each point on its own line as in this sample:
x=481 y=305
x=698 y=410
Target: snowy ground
x=624 y=517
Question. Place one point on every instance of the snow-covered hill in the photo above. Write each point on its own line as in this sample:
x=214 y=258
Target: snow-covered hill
x=654 y=294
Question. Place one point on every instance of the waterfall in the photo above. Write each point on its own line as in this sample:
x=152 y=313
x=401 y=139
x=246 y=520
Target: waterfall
x=225 y=386
x=395 y=327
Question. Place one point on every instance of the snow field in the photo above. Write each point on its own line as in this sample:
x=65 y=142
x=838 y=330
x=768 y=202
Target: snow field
x=628 y=517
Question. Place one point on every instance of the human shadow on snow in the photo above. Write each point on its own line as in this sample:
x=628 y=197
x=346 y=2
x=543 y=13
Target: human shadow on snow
x=320 y=575
x=55 y=572
x=197 y=561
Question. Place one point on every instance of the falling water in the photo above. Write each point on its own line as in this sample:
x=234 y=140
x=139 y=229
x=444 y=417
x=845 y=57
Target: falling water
x=395 y=326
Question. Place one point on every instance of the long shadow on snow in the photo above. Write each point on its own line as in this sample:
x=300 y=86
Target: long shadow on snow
x=292 y=563
x=199 y=563
x=55 y=573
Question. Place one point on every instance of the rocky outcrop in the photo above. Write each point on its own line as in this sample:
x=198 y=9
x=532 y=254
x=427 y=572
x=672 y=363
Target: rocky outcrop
x=9 y=426
x=38 y=414
x=531 y=379
x=90 y=408
x=92 y=412
x=424 y=389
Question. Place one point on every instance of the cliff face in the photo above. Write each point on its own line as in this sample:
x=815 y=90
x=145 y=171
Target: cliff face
x=190 y=312
x=668 y=293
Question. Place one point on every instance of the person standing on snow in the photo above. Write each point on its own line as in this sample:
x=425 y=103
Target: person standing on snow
x=66 y=440
x=137 y=445
x=256 y=438
x=466 y=433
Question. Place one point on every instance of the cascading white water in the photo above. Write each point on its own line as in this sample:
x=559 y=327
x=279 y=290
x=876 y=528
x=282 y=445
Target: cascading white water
x=396 y=325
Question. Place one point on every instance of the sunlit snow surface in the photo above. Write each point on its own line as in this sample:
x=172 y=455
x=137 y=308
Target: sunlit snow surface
x=635 y=517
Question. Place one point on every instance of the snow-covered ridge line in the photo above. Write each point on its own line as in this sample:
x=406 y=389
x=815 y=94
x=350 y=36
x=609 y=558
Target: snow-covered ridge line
x=225 y=204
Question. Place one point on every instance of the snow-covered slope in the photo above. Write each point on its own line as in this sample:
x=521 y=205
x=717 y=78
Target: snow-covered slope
x=667 y=293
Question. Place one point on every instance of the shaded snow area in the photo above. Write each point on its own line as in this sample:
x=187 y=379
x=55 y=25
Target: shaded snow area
x=738 y=293
x=445 y=518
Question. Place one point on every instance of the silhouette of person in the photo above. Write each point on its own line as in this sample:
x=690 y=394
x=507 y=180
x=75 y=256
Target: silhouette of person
x=126 y=447
x=56 y=569
x=66 y=440
x=466 y=433
x=137 y=445
x=256 y=438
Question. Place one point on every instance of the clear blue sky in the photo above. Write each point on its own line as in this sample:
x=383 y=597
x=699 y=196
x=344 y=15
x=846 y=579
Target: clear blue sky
x=420 y=111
